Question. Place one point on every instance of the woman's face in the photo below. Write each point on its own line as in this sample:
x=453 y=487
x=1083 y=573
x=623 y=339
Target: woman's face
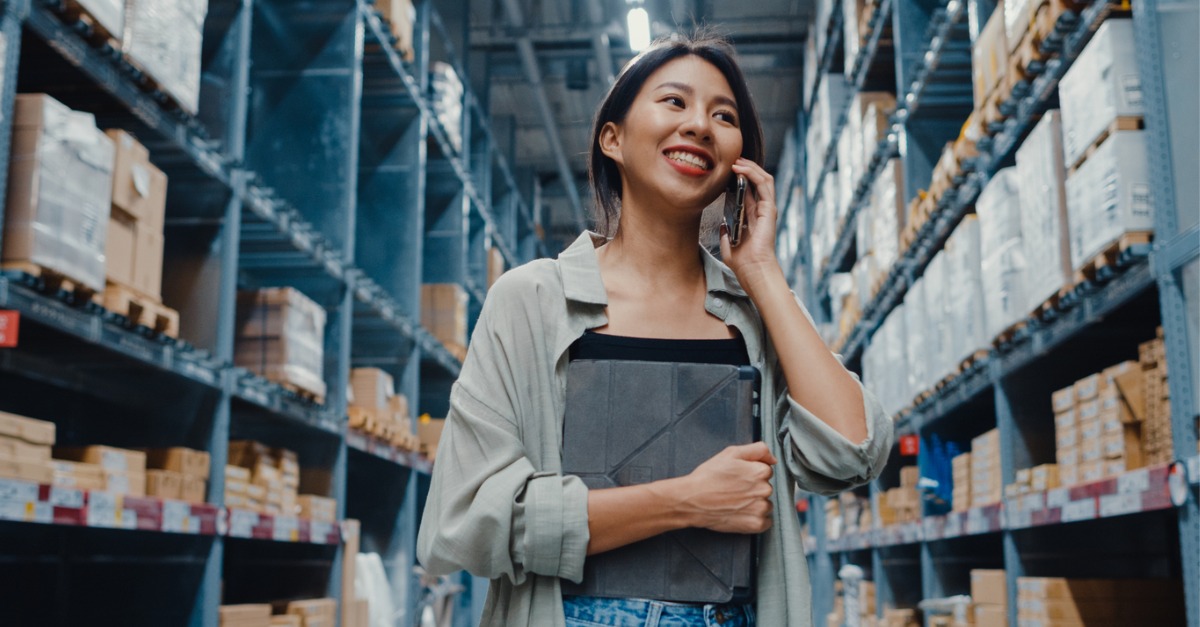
x=680 y=138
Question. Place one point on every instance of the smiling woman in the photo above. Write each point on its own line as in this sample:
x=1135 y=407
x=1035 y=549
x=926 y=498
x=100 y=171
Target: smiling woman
x=677 y=128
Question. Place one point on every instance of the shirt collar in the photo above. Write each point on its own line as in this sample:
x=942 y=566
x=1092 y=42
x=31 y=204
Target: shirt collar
x=580 y=271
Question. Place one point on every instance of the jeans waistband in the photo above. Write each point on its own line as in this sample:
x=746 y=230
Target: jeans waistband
x=623 y=612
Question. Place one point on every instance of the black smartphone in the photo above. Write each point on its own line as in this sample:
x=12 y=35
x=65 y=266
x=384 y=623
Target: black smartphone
x=735 y=210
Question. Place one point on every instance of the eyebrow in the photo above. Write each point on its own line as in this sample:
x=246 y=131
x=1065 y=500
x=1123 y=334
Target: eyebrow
x=687 y=89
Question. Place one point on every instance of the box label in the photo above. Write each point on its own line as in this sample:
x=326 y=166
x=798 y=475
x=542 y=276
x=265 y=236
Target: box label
x=64 y=497
x=176 y=517
x=1136 y=481
x=1120 y=504
x=1079 y=510
x=104 y=509
x=10 y=327
x=242 y=523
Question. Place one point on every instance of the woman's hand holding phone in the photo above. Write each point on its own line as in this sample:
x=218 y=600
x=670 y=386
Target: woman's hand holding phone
x=755 y=252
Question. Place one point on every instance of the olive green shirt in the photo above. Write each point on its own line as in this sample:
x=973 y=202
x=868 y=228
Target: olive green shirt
x=499 y=506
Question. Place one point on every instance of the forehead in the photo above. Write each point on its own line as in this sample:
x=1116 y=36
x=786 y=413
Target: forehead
x=694 y=72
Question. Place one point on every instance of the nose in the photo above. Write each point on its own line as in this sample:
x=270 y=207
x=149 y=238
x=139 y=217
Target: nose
x=698 y=125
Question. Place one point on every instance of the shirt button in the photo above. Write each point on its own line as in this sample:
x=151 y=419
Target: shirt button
x=718 y=303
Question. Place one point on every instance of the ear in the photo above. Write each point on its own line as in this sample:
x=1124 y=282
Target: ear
x=610 y=142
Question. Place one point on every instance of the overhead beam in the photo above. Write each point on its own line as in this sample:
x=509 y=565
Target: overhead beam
x=600 y=44
x=533 y=74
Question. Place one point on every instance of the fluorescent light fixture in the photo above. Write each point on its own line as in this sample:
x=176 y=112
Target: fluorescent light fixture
x=639 y=29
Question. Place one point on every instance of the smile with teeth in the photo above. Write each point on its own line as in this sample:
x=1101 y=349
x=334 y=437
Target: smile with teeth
x=689 y=159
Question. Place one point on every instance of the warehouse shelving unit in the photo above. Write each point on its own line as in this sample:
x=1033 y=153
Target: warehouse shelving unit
x=1142 y=523
x=315 y=162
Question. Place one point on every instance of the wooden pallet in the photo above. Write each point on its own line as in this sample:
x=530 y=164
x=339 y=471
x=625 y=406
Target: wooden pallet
x=303 y=393
x=1120 y=123
x=141 y=310
x=97 y=33
x=1006 y=336
x=54 y=282
x=972 y=359
x=1110 y=255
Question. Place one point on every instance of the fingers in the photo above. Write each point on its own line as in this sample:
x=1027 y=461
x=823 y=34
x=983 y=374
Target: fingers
x=726 y=248
x=754 y=452
x=764 y=183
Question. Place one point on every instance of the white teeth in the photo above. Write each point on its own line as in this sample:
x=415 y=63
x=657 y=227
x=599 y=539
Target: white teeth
x=688 y=158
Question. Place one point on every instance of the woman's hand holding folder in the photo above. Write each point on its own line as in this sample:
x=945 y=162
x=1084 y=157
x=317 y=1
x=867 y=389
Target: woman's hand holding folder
x=731 y=492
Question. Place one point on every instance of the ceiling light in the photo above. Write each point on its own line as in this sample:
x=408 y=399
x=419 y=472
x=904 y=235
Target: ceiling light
x=639 y=29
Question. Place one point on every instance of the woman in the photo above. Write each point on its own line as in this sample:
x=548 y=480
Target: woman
x=674 y=129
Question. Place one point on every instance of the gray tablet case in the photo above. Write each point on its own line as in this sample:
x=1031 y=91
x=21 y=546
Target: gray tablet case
x=633 y=422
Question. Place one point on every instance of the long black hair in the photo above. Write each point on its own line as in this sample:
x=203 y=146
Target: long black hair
x=602 y=170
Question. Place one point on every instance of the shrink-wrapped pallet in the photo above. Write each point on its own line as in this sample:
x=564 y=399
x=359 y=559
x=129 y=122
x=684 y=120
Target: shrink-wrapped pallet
x=1043 y=201
x=886 y=211
x=164 y=39
x=965 y=292
x=281 y=336
x=1002 y=265
x=938 y=330
x=916 y=329
x=59 y=185
x=1109 y=195
x=1102 y=84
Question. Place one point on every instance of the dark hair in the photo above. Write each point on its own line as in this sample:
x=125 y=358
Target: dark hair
x=602 y=170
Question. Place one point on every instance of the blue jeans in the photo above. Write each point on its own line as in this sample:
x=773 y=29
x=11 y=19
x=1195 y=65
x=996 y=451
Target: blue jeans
x=584 y=611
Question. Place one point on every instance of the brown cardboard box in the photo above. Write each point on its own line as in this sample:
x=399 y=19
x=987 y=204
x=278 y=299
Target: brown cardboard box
x=147 y=273
x=281 y=336
x=37 y=471
x=77 y=475
x=1044 y=477
x=109 y=457
x=373 y=388
x=1130 y=385
x=286 y=620
x=989 y=57
x=139 y=188
x=989 y=587
x=1063 y=399
x=1090 y=430
x=991 y=616
x=1087 y=388
x=429 y=430
x=495 y=266
x=1066 y=438
x=1091 y=451
x=127 y=482
x=193 y=489
x=17 y=449
x=120 y=251
x=164 y=484
x=444 y=312
x=247 y=453
x=320 y=508
x=909 y=475
x=238 y=474
x=1088 y=410
x=400 y=15
x=185 y=461
x=1066 y=418
x=240 y=613
x=27 y=429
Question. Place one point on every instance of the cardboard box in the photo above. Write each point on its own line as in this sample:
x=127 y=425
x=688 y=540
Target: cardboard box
x=1092 y=470
x=429 y=430
x=108 y=457
x=1003 y=267
x=127 y=482
x=59 y=184
x=989 y=57
x=164 y=40
x=281 y=336
x=989 y=586
x=139 y=188
x=1063 y=400
x=147 y=274
x=1087 y=411
x=121 y=250
x=495 y=266
x=185 y=461
x=1043 y=208
x=77 y=475
x=320 y=508
x=1087 y=388
x=237 y=474
x=991 y=615
x=444 y=312
x=400 y=15
x=193 y=489
x=35 y=471
x=27 y=429
x=373 y=388
x=287 y=620
x=20 y=450
x=164 y=484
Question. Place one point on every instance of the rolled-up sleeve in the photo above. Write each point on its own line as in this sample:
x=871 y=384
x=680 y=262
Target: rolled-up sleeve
x=490 y=511
x=823 y=460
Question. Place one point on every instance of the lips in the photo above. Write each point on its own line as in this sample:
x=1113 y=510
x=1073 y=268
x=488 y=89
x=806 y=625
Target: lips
x=689 y=157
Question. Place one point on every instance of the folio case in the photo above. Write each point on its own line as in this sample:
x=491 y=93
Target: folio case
x=633 y=422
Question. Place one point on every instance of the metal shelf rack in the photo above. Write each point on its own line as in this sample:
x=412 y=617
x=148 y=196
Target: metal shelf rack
x=349 y=215
x=1059 y=531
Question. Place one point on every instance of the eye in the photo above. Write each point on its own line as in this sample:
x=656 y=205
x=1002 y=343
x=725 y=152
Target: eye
x=675 y=101
x=728 y=117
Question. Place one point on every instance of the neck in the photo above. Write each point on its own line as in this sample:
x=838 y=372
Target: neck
x=660 y=246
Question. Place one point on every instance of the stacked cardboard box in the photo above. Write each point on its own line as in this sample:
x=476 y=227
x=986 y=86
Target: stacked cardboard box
x=964 y=292
x=400 y=16
x=59 y=183
x=177 y=473
x=986 y=482
x=429 y=431
x=902 y=617
x=1036 y=479
x=1066 y=435
x=135 y=224
x=1061 y=602
x=245 y=615
x=444 y=314
x=989 y=596
x=281 y=336
x=123 y=471
x=377 y=409
x=989 y=61
x=314 y=612
x=960 y=499
x=1102 y=85
x=1159 y=445
x=163 y=38
x=25 y=448
x=853 y=605
x=262 y=479
x=495 y=266
x=902 y=504
x=1098 y=432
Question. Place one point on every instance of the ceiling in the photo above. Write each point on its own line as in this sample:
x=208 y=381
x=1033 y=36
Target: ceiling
x=768 y=35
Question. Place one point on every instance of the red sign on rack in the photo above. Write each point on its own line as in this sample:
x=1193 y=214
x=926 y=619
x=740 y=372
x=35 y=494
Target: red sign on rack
x=10 y=325
x=909 y=445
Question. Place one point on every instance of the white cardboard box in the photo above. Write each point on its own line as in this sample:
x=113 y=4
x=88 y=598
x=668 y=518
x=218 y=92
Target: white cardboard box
x=1043 y=205
x=1109 y=194
x=1102 y=84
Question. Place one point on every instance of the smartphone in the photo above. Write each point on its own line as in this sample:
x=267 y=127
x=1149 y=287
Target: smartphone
x=735 y=210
